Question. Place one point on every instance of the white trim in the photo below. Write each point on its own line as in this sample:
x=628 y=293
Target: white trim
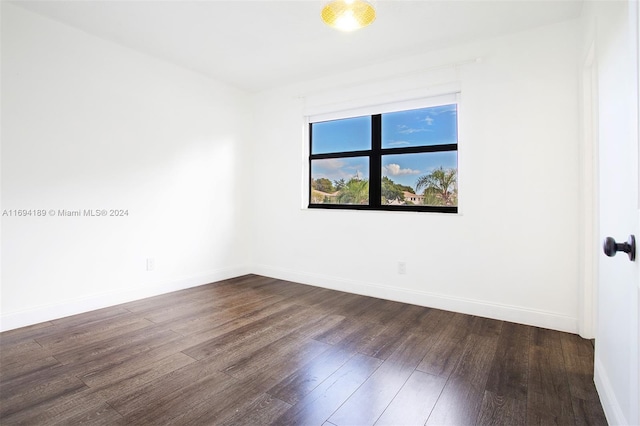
x=306 y=151
x=588 y=247
x=446 y=94
x=612 y=409
x=50 y=312
x=480 y=308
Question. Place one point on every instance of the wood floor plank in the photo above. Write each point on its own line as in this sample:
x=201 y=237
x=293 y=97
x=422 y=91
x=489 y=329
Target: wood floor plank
x=258 y=350
x=380 y=389
x=298 y=384
x=291 y=347
x=206 y=320
x=430 y=322
x=548 y=396
x=360 y=336
x=316 y=407
x=245 y=391
x=207 y=331
x=415 y=401
x=19 y=369
x=24 y=383
x=22 y=352
x=116 y=349
x=588 y=413
x=102 y=415
x=90 y=318
x=447 y=348
x=265 y=327
x=318 y=326
x=578 y=358
x=381 y=311
x=170 y=407
x=547 y=371
x=218 y=407
x=167 y=300
x=129 y=360
x=57 y=410
x=262 y=411
x=14 y=399
x=124 y=378
x=339 y=331
x=546 y=409
x=216 y=302
x=357 y=306
x=501 y=410
x=286 y=288
x=12 y=337
x=476 y=360
x=382 y=341
x=459 y=404
x=154 y=401
x=509 y=372
x=317 y=297
x=87 y=335
x=486 y=327
x=190 y=309
x=331 y=301
x=462 y=396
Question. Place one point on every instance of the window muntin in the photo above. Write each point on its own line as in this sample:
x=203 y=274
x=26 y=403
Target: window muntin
x=409 y=161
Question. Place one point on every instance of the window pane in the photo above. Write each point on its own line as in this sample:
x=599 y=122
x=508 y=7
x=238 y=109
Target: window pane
x=340 y=181
x=349 y=134
x=420 y=179
x=420 y=127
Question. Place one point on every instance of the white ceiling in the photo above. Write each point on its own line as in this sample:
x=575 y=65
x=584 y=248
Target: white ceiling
x=256 y=45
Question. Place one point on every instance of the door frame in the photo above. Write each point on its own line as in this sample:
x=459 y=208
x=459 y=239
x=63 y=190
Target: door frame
x=589 y=196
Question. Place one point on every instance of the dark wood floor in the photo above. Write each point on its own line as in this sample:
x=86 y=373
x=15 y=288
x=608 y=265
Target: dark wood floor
x=254 y=351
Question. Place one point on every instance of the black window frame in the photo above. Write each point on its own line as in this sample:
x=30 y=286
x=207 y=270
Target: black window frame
x=375 y=168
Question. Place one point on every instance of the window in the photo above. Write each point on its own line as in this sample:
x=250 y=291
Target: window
x=403 y=160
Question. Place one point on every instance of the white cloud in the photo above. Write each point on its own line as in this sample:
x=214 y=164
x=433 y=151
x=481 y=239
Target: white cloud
x=331 y=164
x=409 y=130
x=399 y=143
x=396 y=170
x=429 y=121
x=339 y=168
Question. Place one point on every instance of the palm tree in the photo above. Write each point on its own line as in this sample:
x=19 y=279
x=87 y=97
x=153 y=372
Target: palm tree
x=356 y=191
x=440 y=187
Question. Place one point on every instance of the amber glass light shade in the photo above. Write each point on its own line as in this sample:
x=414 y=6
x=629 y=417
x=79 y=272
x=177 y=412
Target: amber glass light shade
x=348 y=15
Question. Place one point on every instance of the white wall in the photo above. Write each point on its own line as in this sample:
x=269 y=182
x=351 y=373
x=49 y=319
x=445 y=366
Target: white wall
x=512 y=251
x=87 y=124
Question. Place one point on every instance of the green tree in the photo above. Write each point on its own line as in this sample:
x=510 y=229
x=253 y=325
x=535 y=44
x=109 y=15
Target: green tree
x=356 y=191
x=405 y=188
x=391 y=191
x=339 y=184
x=440 y=187
x=323 y=185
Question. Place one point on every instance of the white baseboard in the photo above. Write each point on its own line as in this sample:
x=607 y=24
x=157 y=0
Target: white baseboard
x=610 y=405
x=53 y=311
x=480 y=308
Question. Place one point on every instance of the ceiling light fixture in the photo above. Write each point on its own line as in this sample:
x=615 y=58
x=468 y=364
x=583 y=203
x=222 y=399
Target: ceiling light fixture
x=348 y=15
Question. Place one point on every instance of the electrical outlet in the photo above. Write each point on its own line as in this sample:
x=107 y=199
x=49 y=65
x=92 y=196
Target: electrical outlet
x=151 y=264
x=402 y=268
